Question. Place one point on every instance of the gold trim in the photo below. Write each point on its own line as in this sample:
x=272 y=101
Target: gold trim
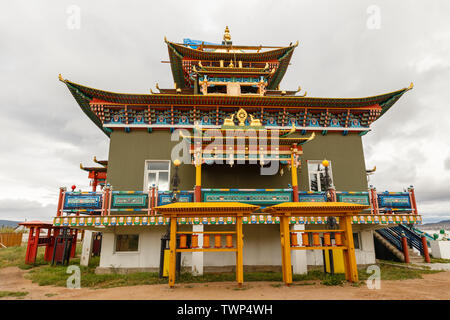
x=267 y=97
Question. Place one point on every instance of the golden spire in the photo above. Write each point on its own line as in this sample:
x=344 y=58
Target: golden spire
x=227 y=36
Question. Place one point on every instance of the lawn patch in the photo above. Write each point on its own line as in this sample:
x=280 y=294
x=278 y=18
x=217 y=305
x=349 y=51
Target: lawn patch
x=12 y=294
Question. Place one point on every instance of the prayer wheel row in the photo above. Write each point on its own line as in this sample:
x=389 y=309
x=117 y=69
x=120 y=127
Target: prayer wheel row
x=206 y=238
x=316 y=239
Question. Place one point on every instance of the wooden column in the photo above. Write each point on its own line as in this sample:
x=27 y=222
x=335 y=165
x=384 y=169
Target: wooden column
x=172 y=252
x=286 y=247
x=294 y=173
x=239 y=253
x=198 y=183
x=351 y=271
x=283 y=260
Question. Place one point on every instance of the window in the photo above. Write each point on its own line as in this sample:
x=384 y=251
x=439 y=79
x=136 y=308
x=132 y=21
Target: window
x=356 y=240
x=127 y=242
x=316 y=175
x=157 y=172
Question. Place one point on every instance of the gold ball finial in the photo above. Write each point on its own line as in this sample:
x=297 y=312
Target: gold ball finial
x=176 y=162
x=325 y=163
x=227 y=36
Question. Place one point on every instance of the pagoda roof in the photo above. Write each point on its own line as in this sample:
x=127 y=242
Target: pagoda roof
x=93 y=169
x=178 y=52
x=85 y=95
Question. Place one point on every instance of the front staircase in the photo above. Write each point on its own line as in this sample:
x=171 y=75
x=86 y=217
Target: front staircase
x=391 y=239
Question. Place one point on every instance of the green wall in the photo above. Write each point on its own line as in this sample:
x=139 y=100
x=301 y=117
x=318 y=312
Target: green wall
x=128 y=152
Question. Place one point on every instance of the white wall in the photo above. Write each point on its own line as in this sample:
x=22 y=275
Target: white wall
x=261 y=247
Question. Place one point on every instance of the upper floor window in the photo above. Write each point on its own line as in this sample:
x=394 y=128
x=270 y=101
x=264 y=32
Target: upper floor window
x=157 y=172
x=316 y=175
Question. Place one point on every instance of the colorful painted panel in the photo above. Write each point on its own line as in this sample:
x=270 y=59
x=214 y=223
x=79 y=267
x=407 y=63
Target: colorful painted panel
x=166 y=198
x=394 y=201
x=250 y=197
x=129 y=200
x=312 y=197
x=82 y=201
x=354 y=198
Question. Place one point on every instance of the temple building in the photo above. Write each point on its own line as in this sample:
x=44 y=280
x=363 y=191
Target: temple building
x=226 y=132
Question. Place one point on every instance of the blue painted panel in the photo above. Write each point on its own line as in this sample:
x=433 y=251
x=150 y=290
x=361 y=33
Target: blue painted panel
x=166 y=198
x=312 y=197
x=394 y=201
x=82 y=201
x=264 y=198
x=129 y=201
x=354 y=198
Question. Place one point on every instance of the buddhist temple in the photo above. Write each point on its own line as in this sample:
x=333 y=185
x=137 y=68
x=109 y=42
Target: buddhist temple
x=228 y=131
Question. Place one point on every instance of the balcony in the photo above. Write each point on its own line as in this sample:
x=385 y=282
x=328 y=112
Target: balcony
x=136 y=208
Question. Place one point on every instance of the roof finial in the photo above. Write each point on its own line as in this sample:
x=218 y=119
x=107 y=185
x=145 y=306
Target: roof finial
x=227 y=36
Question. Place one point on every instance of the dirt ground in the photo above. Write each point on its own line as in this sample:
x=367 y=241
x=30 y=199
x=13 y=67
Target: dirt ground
x=432 y=286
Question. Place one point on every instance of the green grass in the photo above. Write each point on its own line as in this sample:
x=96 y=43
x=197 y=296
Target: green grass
x=13 y=294
x=44 y=274
x=439 y=260
x=57 y=276
x=15 y=257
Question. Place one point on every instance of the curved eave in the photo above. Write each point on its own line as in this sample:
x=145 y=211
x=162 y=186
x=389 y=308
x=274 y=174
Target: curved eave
x=178 y=52
x=83 y=101
x=84 y=95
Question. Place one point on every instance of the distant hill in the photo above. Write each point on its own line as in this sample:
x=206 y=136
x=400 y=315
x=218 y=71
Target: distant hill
x=8 y=223
x=445 y=224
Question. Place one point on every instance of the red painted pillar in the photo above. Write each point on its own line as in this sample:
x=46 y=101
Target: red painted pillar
x=198 y=193
x=153 y=200
x=95 y=182
x=30 y=243
x=48 y=247
x=405 y=248
x=60 y=201
x=74 y=243
x=426 y=254
x=412 y=196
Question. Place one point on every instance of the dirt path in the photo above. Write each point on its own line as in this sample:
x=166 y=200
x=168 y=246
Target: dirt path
x=432 y=286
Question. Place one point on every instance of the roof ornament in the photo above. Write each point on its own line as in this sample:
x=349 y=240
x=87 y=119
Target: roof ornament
x=231 y=65
x=229 y=121
x=241 y=116
x=227 y=37
x=411 y=86
x=60 y=78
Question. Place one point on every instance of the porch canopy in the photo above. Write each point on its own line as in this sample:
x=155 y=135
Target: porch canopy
x=206 y=209
x=343 y=210
x=246 y=142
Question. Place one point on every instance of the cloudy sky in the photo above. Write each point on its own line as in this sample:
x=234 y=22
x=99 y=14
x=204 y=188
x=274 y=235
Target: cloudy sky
x=347 y=49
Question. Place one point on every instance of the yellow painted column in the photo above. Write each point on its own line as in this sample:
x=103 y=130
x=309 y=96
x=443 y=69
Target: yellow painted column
x=239 y=252
x=172 y=252
x=351 y=270
x=287 y=251
x=283 y=260
x=294 y=174
x=198 y=182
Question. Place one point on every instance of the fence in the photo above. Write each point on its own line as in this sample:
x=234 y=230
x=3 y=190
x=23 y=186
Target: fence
x=10 y=239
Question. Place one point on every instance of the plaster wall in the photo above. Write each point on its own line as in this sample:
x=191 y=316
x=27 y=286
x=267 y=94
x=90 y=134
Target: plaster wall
x=128 y=152
x=261 y=248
